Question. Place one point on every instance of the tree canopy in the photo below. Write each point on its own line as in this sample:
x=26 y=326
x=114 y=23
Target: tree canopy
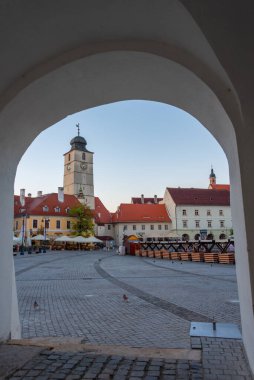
x=84 y=220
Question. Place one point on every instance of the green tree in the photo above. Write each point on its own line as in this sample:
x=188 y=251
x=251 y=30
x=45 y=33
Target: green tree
x=84 y=220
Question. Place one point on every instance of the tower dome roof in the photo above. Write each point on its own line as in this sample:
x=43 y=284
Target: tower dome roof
x=79 y=143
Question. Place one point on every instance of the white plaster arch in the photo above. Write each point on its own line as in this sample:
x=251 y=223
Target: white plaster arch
x=123 y=52
x=113 y=76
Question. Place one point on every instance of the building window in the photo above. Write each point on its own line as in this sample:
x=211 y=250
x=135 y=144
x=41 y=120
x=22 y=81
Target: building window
x=209 y=224
x=68 y=224
x=159 y=227
x=221 y=212
x=197 y=223
x=143 y=227
x=67 y=210
x=196 y=212
x=109 y=227
x=83 y=156
x=184 y=212
x=166 y=226
x=124 y=228
x=57 y=209
x=208 y=213
x=35 y=223
x=58 y=224
x=69 y=157
x=185 y=224
x=222 y=223
x=152 y=227
x=134 y=227
x=45 y=208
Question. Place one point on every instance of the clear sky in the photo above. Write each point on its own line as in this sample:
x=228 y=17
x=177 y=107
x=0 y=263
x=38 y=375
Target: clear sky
x=139 y=147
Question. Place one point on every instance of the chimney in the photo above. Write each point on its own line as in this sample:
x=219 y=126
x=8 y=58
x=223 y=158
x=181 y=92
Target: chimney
x=155 y=199
x=142 y=199
x=39 y=193
x=29 y=195
x=22 y=197
x=60 y=194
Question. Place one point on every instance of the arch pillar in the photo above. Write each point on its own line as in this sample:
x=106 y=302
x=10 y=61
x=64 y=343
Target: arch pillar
x=10 y=325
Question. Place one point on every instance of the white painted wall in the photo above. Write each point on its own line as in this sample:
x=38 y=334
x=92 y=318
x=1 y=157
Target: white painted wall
x=159 y=230
x=49 y=73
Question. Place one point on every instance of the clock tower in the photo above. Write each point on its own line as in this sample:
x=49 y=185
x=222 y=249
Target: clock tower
x=78 y=171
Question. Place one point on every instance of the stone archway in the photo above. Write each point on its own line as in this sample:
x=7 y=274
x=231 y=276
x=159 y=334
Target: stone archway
x=69 y=73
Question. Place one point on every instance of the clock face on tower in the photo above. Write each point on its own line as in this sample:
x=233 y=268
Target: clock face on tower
x=68 y=167
x=83 y=165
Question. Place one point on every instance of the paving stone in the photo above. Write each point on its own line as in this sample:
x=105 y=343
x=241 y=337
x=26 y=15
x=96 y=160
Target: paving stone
x=93 y=310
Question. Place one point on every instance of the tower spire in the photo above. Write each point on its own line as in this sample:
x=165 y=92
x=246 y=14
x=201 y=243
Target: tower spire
x=77 y=125
x=212 y=177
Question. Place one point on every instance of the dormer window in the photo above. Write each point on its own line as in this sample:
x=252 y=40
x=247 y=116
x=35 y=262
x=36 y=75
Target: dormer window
x=67 y=210
x=45 y=208
x=57 y=209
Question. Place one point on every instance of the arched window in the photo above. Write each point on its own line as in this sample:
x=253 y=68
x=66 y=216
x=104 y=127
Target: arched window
x=197 y=237
x=210 y=237
x=185 y=237
x=223 y=236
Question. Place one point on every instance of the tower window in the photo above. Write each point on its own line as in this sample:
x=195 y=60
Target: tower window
x=69 y=157
x=83 y=156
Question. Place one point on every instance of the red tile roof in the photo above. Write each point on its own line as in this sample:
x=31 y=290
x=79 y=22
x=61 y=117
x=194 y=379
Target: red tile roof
x=220 y=187
x=34 y=206
x=137 y=200
x=102 y=215
x=202 y=197
x=145 y=213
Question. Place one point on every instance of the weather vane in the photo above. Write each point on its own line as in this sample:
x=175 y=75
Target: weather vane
x=77 y=125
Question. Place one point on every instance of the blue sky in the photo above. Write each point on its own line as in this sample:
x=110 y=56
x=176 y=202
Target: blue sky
x=139 y=147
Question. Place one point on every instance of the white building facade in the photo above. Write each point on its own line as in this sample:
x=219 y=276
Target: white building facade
x=199 y=213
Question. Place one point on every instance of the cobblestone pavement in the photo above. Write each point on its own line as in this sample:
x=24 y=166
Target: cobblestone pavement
x=222 y=359
x=80 y=294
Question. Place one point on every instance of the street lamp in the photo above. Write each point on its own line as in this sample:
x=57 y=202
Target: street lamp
x=46 y=225
x=23 y=229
